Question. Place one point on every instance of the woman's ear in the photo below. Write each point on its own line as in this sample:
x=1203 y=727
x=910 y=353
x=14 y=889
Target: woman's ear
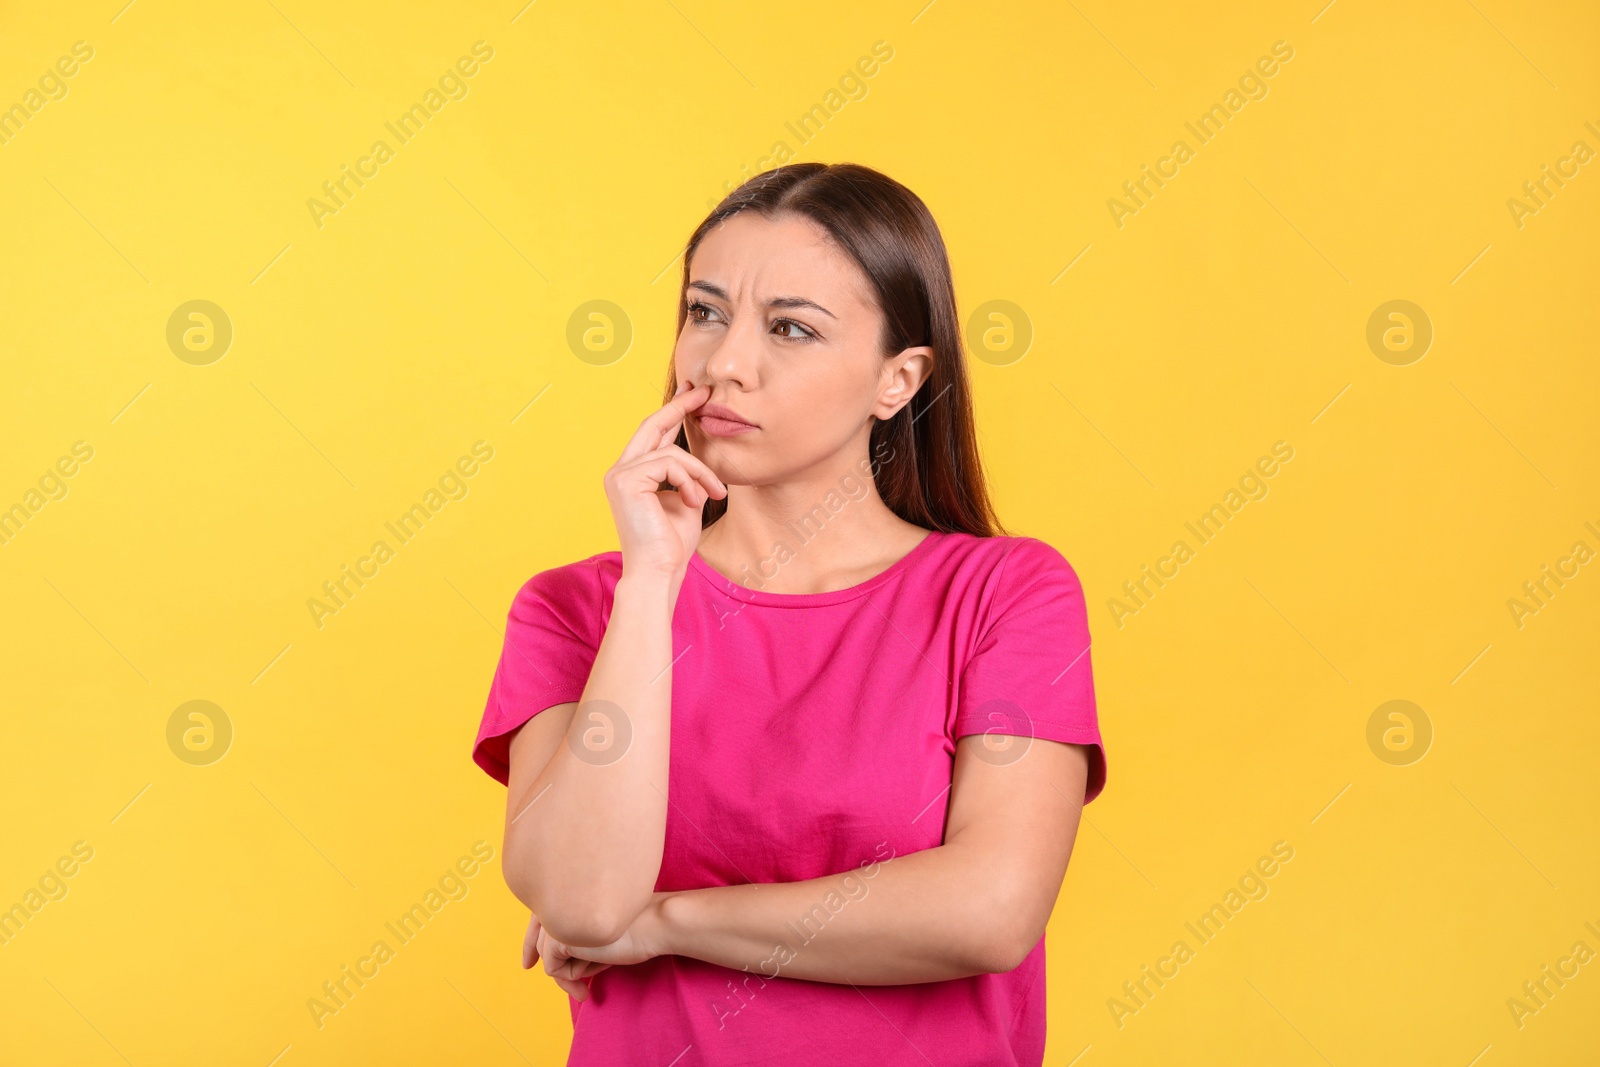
x=903 y=374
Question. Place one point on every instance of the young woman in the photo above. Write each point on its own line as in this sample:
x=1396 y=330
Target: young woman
x=794 y=776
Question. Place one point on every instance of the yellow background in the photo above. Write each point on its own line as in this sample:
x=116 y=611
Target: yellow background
x=369 y=353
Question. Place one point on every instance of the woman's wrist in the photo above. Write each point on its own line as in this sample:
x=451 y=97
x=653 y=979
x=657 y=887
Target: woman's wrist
x=666 y=927
x=648 y=589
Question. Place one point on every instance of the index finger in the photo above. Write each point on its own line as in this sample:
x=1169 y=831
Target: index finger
x=530 y=943
x=661 y=425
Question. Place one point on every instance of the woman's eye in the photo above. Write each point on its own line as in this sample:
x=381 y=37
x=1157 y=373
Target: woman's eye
x=695 y=309
x=793 y=325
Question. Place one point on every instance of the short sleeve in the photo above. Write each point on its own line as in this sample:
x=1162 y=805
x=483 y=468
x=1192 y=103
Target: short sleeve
x=1030 y=673
x=553 y=632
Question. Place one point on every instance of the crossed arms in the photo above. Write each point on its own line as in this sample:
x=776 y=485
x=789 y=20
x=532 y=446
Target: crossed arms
x=584 y=841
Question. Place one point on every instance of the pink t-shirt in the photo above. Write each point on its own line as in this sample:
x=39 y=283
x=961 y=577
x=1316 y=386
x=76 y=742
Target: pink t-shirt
x=813 y=734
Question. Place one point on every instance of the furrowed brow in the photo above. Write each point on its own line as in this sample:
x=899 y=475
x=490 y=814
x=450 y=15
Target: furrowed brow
x=775 y=302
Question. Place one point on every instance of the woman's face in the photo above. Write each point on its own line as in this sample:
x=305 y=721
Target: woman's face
x=783 y=327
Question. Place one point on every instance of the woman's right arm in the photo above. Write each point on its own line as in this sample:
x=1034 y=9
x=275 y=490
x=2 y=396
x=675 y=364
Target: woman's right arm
x=586 y=799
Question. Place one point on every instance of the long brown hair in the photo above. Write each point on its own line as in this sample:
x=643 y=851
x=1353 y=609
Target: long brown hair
x=932 y=477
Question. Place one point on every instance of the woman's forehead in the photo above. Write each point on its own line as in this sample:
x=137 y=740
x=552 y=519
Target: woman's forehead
x=753 y=260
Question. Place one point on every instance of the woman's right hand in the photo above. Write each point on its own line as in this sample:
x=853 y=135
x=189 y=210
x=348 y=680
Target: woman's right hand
x=660 y=529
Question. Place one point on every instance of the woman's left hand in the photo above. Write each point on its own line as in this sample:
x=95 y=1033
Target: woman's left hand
x=569 y=964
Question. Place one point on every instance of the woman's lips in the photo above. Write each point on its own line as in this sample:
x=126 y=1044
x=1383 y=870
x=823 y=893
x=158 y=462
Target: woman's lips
x=719 y=427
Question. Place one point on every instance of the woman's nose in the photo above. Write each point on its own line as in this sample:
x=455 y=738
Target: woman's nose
x=738 y=355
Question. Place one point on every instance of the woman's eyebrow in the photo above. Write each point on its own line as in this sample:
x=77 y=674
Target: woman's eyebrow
x=775 y=302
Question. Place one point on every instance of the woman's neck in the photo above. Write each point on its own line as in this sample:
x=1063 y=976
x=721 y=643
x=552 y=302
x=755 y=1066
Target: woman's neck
x=781 y=541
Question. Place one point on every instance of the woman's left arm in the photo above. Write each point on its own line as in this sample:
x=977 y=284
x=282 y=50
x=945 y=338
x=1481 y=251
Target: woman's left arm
x=976 y=904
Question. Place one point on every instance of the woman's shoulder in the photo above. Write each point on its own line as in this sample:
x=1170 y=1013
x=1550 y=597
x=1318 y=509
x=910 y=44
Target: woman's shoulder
x=581 y=583
x=1015 y=580
x=1014 y=556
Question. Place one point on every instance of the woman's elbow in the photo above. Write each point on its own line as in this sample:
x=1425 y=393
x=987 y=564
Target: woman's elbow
x=1013 y=929
x=585 y=928
x=574 y=915
x=1003 y=951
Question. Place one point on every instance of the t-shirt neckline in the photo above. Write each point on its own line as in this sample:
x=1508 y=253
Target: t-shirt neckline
x=812 y=600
